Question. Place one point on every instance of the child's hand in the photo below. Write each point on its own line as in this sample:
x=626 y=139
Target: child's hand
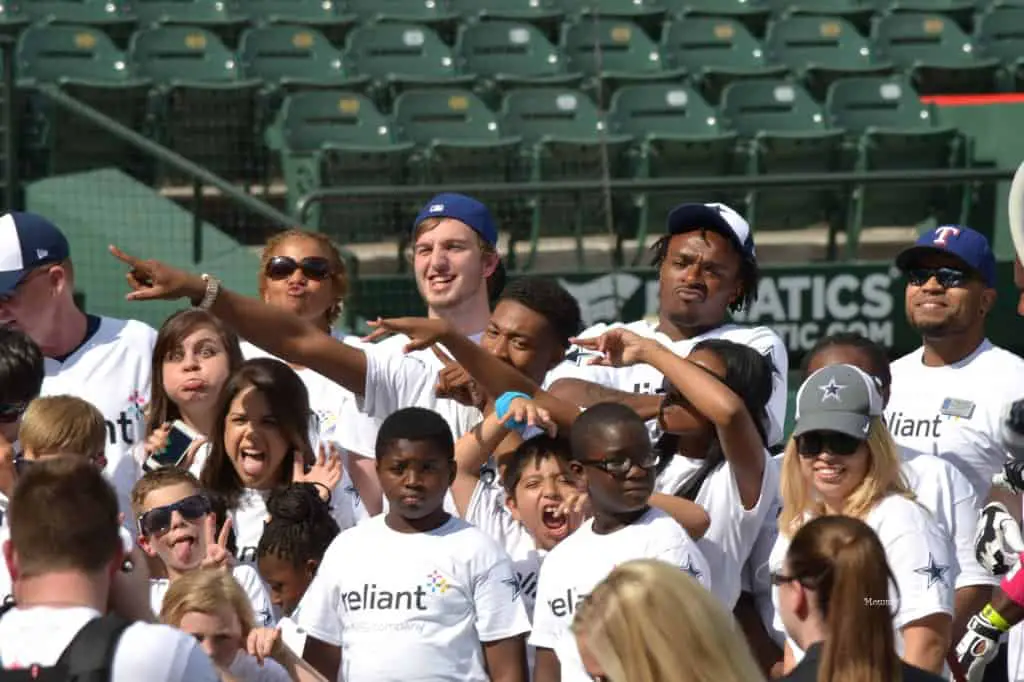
x=576 y=503
x=157 y=441
x=326 y=470
x=530 y=413
x=264 y=643
x=217 y=554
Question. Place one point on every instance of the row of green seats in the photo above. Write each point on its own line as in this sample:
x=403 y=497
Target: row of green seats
x=341 y=140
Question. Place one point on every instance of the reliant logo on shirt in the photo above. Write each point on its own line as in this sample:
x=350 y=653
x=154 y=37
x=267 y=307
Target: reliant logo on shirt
x=373 y=598
x=123 y=428
x=903 y=426
x=567 y=605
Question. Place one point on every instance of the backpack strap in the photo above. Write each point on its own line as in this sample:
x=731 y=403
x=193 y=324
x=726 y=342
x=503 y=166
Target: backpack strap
x=90 y=655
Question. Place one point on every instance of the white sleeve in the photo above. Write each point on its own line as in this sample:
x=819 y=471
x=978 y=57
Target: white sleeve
x=500 y=612
x=546 y=624
x=925 y=569
x=246 y=576
x=357 y=431
x=686 y=556
x=394 y=381
x=769 y=344
x=321 y=604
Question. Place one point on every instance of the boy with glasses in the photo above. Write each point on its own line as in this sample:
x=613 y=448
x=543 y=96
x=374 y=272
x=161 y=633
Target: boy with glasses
x=177 y=525
x=612 y=453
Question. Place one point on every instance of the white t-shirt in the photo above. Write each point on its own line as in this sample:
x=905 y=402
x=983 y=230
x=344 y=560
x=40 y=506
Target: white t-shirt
x=757 y=578
x=733 y=530
x=949 y=496
x=246 y=668
x=921 y=557
x=646 y=379
x=292 y=635
x=327 y=400
x=409 y=607
x=954 y=411
x=155 y=653
x=111 y=370
x=581 y=561
x=245 y=575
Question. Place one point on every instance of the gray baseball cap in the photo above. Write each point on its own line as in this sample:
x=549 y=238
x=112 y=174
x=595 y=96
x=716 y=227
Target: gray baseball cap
x=839 y=398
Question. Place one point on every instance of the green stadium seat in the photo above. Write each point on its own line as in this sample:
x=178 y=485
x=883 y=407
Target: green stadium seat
x=858 y=12
x=960 y=11
x=786 y=132
x=508 y=54
x=936 y=53
x=205 y=110
x=754 y=14
x=614 y=52
x=1000 y=35
x=565 y=138
x=340 y=139
x=12 y=19
x=891 y=129
x=648 y=14
x=432 y=13
x=677 y=134
x=87 y=65
x=400 y=56
x=294 y=58
x=115 y=17
x=544 y=14
x=821 y=50
x=716 y=51
x=326 y=16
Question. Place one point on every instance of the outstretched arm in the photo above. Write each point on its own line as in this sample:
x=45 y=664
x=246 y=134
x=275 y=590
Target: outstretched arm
x=277 y=331
x=584 y=394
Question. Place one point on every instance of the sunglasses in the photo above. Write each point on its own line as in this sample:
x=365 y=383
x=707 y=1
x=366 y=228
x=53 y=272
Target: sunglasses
x=10 y=412
x=814 y=443
x=948 y=278
x=620 y=466
x=314 y=267
x=157 y=521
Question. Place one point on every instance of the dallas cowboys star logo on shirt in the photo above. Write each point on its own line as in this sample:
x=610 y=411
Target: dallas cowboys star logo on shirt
x=691 y=569
x=831 y=390
x=935 y=572
x=513 y=582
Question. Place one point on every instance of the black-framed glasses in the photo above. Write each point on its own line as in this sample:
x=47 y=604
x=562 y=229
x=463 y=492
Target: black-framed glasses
x=620 y=466
x=10 y=412
x=813 y=443
x=158 y=519
x=314 y=267
x=948 y=278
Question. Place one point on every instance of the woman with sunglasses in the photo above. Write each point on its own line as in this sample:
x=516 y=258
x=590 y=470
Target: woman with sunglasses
x=304 y=272
x=842 y=461
x=834 y=601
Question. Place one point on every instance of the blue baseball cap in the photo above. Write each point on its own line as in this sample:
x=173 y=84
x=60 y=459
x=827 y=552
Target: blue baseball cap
x=27 y=241
x=718 y=218
x=969 y=246
x=462 y=208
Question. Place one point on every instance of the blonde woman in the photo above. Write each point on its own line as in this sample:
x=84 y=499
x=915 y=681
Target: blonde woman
x=650 y=622
x=211 y=606
x=842 y=461
x=834 y=602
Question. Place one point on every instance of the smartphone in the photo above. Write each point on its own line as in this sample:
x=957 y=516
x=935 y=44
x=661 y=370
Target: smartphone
x=179 y=440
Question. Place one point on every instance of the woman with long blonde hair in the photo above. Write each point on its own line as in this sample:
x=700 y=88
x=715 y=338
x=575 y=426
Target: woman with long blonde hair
x=834 y=601
x=842 y=461
x=650 y=622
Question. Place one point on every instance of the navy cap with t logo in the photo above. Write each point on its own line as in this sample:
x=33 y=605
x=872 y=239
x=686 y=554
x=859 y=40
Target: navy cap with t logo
x=718 y=218
x=967 y=245
x=464 y=209
x=27 y=241
x=840 y=398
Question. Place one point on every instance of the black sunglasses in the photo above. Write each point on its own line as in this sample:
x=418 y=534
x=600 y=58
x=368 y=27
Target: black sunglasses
x=158 y=520
x=814 y=443
x=313 y=267
x=9 y=412
x=620 y=466
x=948 y=278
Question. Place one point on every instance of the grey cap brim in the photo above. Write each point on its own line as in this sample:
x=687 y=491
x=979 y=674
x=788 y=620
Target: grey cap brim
x=848 y=423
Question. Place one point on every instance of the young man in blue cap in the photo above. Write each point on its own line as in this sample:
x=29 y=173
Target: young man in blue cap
x=99 y=359
x=948 y=395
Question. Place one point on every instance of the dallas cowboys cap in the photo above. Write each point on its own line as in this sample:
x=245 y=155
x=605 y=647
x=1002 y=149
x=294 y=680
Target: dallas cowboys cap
x=840 y=398
x=717 y=217
x=462 y=208
x=27 y=241
x=969 y=246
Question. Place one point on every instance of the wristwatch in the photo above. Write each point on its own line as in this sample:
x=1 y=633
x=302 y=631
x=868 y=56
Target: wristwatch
x=212 y=289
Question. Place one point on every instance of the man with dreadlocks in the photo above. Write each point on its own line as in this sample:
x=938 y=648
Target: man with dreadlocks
x=294 y=540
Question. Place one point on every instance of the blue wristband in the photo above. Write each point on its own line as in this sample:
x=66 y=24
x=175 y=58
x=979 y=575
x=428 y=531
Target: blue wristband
x=501 y=406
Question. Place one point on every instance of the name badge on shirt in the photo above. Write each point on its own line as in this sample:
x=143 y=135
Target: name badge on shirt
x=955 y=407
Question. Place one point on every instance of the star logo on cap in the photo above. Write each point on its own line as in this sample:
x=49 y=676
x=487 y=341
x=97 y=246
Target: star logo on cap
x=831 y=390
x=936 y=573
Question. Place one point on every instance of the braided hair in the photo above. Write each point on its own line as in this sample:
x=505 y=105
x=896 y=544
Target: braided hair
x=300 y=526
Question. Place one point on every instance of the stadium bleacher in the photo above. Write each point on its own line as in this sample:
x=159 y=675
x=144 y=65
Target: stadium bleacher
x=297 y=95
